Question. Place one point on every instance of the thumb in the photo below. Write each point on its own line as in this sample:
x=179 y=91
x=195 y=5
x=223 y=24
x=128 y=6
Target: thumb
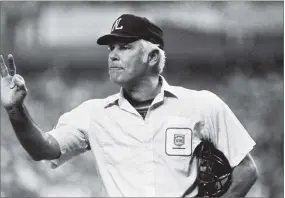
x=18 y=82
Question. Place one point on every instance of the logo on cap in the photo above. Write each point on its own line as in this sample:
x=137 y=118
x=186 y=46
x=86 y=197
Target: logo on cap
x=116 y=25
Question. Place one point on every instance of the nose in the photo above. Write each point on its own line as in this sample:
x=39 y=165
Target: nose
x=113 y=55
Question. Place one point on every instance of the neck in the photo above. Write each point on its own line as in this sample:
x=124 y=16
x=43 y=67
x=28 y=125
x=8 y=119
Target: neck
x=145 y=89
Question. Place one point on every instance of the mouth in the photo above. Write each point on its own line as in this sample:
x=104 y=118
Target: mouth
x=115 y=68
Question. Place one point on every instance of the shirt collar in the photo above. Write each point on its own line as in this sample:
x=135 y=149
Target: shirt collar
x=167 y=88
x=120 y=96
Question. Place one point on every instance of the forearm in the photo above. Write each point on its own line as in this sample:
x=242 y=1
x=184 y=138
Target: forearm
x=31 y=137
x=243 y=178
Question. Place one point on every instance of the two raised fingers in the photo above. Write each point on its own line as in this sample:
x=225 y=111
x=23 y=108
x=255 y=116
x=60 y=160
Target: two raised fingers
x=11 y=70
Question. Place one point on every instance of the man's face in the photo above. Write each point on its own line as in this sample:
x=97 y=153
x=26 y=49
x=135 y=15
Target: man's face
x=125 y=63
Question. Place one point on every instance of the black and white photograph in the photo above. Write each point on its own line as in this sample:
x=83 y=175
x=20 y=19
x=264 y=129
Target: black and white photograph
x=142 y=98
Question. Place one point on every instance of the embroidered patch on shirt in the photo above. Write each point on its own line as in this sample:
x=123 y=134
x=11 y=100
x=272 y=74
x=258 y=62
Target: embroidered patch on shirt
x=178 y=141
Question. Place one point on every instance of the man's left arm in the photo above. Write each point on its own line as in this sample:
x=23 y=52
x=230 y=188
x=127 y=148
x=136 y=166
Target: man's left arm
x=244 y=176
x=235 y=142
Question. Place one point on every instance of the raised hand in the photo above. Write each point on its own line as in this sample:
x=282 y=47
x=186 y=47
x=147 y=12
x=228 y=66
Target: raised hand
x=13 y=88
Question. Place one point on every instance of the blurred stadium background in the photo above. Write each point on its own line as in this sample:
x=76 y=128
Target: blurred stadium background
x=234 y=49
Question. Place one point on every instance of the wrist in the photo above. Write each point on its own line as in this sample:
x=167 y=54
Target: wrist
x=14 y=106
x=14 y=110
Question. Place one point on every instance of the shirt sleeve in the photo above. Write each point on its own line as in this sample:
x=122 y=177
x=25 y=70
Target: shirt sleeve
x=71 y=135
x=230 y=135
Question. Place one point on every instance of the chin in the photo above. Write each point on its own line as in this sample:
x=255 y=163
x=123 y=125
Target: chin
x=122 y=82
x=116 y=79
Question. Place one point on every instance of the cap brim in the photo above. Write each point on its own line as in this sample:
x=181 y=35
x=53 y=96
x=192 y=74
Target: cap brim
x=113 y=38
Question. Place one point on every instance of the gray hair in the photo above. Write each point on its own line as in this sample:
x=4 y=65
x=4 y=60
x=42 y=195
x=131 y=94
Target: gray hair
x=148 y=47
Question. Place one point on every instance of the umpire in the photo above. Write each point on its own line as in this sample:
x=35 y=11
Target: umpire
x=143 y=138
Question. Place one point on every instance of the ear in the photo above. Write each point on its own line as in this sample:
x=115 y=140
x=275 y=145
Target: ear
x=153 y=57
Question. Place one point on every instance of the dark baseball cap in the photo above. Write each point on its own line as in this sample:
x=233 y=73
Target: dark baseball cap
x=129 y=28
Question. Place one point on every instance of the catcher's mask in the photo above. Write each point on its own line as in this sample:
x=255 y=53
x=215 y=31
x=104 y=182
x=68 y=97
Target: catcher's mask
x=214 y=171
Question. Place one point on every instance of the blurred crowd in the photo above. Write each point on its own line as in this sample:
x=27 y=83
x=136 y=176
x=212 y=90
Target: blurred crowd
x=234 y=49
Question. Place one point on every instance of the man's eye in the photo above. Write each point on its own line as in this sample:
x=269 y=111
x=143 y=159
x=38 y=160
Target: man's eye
x=121 y=47
x=124 y=47
x=110 y=47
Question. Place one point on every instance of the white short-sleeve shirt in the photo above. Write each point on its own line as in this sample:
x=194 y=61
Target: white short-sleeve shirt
x=150 y=157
